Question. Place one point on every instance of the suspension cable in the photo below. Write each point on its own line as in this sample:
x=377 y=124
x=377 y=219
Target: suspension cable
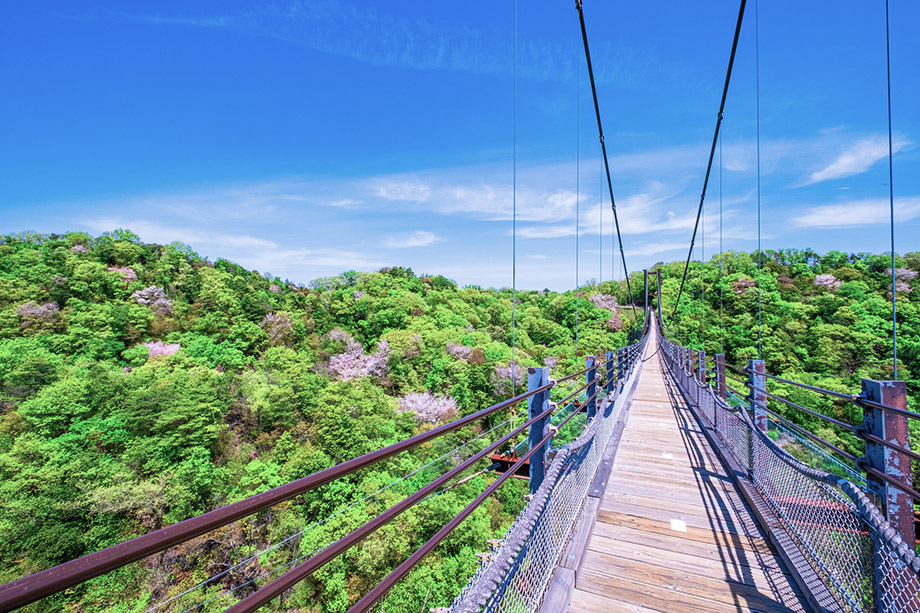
x=703 y=282
x=613 y=232
x=514 y=209
x=721 y=258
x=712 y=151
x=759 y=250
x=577 y=192
x=894 y=299
x=600 y=130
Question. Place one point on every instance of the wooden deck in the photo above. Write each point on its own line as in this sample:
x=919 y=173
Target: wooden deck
x=672 y=532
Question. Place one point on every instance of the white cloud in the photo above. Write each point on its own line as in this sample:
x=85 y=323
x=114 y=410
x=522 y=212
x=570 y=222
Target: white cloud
x=419 y=238
x=859 y=213
x=249 y=251
x=401 y=189
x=857 y=158
x=319 y=262
x=342 y=202
x=157 y=233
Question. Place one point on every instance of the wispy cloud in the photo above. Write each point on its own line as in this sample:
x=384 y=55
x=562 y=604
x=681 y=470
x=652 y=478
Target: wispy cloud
x=154 y=232
x=402 y=189
x=381 y=37
x=419 y=238
x=250 y=251
x=342 y=202
x=858 y=213
x=855 y=159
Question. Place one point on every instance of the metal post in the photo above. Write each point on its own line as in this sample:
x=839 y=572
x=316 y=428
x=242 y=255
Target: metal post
x=645 y=274
x=591 y=364
x=611 y=364
x=702 y=357
x=621 y=366
x=538 y=403
x=659 y=294
x=891 y=427
x=720 y=375
x=690 y=364
x=758 y=383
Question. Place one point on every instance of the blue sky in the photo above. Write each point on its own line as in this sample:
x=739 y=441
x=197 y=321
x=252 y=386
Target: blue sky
x=309 y=138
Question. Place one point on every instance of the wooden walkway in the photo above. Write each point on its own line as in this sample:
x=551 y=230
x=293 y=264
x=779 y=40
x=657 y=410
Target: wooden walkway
x=672 y=532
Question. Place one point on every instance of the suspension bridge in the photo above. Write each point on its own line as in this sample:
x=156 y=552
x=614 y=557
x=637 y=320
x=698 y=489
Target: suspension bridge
x=674 y=496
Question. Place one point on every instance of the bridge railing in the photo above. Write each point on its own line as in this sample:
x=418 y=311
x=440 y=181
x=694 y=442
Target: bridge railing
x=541 y=431
x=516 y=576
x=858 y=553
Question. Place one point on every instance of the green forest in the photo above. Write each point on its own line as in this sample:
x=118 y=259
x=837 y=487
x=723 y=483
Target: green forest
x=141 y=384
x=825 y=321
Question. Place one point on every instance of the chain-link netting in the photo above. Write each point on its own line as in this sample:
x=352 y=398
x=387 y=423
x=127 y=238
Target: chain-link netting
x=816 y=457
x=516 y=576
x=864 y=563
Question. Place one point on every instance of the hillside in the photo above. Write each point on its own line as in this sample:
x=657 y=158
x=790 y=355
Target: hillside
x=826 y=322
x=141 y=384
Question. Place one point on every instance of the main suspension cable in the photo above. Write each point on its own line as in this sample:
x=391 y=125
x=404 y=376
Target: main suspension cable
x=600 y=130
x=712 y=152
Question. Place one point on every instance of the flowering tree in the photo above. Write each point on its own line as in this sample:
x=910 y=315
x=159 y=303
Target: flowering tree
x=501 y=378
x=829 y=281
x=32 y=314
x=428 y=408
x=352 y=363
x=279 y=327
x=155 y=298
x=126 y=273
x=743 y=284
x=461 y=352
x=902 y=279
x=606 y=301
x=158 y=348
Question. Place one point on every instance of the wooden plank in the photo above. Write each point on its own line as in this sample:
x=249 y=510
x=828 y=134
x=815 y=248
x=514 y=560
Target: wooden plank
x=712 y=557
x=578 y=542
x=608 y=537
x=559 y=593
x=670 y=584
x=703 y=535
x=621 y=489
x=589 y=602
x=725 y=563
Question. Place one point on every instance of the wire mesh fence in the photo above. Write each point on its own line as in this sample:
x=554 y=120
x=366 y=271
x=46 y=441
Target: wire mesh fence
x=517 y=574
x=861 y=559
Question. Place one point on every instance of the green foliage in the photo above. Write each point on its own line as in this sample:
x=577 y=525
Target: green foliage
x=826 y=322
x=141 y=385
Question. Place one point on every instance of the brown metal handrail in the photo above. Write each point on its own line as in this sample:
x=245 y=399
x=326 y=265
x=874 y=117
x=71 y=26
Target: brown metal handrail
x=381 y=589
x=813 y=437
x=44 y=583
x=266 y=594
x=826 y=418
x=291 y=578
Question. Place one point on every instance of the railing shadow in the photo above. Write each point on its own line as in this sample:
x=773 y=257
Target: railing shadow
x=740 y=542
